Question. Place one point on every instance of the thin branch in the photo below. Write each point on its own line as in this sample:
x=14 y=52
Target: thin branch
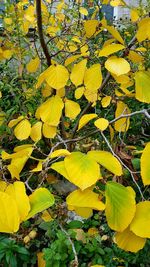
x=40 y=32
x=124 y=165
x=144 y=111
x=76 y=262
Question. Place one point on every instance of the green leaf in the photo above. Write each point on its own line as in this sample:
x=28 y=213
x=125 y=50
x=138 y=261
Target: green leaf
x=120 y=206
x=40 y=200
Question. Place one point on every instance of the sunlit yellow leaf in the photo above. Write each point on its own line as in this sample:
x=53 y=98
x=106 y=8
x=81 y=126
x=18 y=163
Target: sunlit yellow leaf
x=143 y=32
x=72 y=109
x=36 y=133
x=142 y=85
x=50 y=111
x=91 y=95
x=71 y=59
x=110 y=49
x=40 y=200
x=22 y=130
x=85 y=119
x=79 y=92
x=90 y=27
x=145 y=165
x=128 y=241
x=3 y=186
x=141 y=221
x=83 y=11
x=89 y=78
x=107 y=160
x=49 y=131
x=85 y=199
x=60 y=168
x=33 y=65
x=115 y=33
x=18 y=192
x=134 y=15
x=82 y=170
x=115 y=3
x=122 y=125
x=77 y=73
x=120 y=206
x=60 y=153
x=106 y=101
x=12 y=123
x=101 y=124
x=117 y=66
x=9 y=216
x=57 y=76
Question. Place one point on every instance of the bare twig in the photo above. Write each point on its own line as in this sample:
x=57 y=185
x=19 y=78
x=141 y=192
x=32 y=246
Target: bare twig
x=76 y=262
x=124 y=165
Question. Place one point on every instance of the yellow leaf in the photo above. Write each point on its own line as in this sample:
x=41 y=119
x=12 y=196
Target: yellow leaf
x=40 y=200
x=91 y=95
x=114 y=32
x=135 y=57
x=120 y=206
x=41 y=261
x=134 y=15
x=85 y=199
x=9 y=216
x=145 y=166
x=141 y=221
x=122 y=125
x=79 y=92
x=77 y=73
x=3 y=186
x=50 y=111
x=60 y=153
x=142 y=85
x=101 y=124
x=18 y=192
x=38 y=167
x=12 y=123
x=117 y=66
x=89 y=78
x=71 y=59
x=46 y=216
x=128 y=241
x=115 y=3
x=36 y=129
x=85 y=119
x=57 y=76
x=82 y=170
x=33 y=65
x=8 y=21
x=143 y=32
x=106 y=101
x=22 y=130
x=49 y=131
x=60 y=168
x=83 y=212
x=72 y=109
x=90 y=27
x=110 y=49
x=83 y=11
x=107 y=160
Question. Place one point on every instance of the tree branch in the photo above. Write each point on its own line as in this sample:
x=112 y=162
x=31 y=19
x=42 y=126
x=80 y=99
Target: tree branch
x=40 y=32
